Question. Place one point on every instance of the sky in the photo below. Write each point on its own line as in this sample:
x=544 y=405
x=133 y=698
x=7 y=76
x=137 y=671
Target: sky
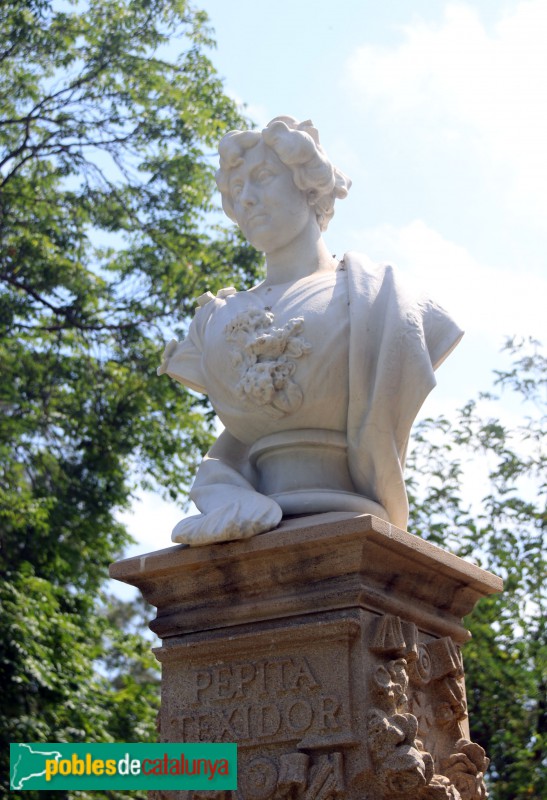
x=437 y=111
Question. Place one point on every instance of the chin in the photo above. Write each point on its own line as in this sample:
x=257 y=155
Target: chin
x=261 y=243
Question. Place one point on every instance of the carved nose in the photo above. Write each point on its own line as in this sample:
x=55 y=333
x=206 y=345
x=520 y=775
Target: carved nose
x=248 y=197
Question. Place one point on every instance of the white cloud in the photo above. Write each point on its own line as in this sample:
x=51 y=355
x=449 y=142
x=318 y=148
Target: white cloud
x=456 y=79
x=484 y=299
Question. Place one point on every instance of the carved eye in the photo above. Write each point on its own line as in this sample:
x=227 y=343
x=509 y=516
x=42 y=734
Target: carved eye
x=264 y=175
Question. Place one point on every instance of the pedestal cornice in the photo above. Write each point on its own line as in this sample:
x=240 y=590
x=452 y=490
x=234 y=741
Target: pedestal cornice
x=308 y=565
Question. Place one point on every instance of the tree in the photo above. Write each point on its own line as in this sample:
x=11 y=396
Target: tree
x=503 y=532
x=105 y=189
x=107 y=236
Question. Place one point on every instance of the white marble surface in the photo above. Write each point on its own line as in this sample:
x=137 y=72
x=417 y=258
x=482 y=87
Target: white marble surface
x=318 y=372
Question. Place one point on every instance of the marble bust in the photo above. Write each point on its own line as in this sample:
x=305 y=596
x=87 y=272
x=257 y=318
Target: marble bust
x=318 y=372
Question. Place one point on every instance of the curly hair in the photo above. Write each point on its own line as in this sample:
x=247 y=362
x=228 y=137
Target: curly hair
x=297 y=145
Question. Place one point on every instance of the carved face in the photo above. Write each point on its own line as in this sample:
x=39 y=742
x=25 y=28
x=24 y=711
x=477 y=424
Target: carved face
x=270 y=210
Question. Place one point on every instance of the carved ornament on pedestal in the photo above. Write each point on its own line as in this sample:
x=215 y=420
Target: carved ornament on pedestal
x=294 y=776
x=329 y=651
x=414 y=729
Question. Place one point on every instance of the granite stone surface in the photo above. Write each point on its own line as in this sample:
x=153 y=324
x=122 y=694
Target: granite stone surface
x=329 y=650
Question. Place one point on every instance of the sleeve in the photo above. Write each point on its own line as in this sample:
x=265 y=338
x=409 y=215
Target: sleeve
x=441 y=332
x=183 y=361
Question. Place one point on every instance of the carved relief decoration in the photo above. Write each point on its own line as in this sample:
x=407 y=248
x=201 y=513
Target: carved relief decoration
x=218 y=795
x=466 y=768
x=265 y=359
x=293 y=776
x=418 y=693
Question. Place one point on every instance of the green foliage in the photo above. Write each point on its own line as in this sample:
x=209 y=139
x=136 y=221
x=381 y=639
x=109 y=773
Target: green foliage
x=110 y=111
x=502 y=531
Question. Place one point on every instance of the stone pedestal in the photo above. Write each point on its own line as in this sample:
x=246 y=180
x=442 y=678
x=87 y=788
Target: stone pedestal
x=329 y=650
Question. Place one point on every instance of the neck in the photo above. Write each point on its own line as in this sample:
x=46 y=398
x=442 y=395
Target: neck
x=302 y=257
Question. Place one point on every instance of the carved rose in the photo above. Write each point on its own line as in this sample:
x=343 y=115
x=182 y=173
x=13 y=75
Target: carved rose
x=257 y=384
x=465 y=769
x=246 y=323
x=263 y=356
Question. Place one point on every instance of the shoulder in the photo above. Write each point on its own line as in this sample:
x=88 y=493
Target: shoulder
x=208 y=297
x=367 y=279
x=183 y=360
x=208 y=302
x=360 y=264
x=397 y=309
x=208 y=305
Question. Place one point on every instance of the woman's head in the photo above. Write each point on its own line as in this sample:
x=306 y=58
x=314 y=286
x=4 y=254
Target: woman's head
x=297 y=145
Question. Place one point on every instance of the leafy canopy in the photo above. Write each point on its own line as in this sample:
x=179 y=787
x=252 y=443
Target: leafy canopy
x=110 y=112
x=503 y=531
